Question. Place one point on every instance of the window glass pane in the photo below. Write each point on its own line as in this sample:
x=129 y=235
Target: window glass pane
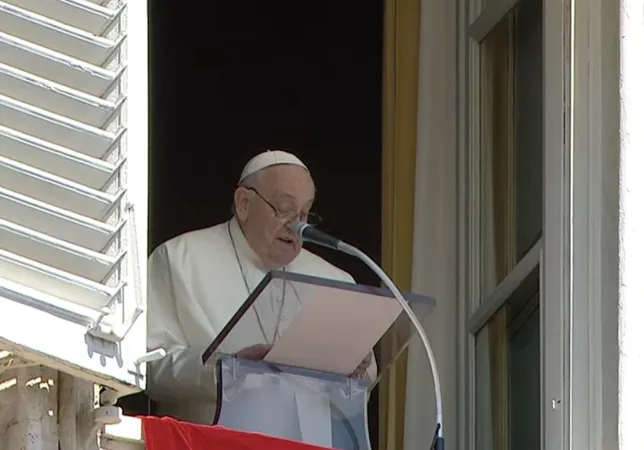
x=511 y=142
x=507 y=374
x=525 y=415
x=497 y=230
x=528 y=126
x=491 y=388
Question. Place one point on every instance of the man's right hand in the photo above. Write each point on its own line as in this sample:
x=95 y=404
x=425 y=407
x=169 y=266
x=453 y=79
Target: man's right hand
x=255 y=352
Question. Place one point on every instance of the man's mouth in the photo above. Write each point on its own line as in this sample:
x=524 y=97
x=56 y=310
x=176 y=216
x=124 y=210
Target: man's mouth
x=286 y=239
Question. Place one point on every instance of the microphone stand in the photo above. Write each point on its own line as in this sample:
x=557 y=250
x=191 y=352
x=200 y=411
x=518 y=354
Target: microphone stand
x=438 y=441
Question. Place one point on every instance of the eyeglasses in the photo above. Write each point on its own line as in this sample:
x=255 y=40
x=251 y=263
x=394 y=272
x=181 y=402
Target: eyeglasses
x=289 y=215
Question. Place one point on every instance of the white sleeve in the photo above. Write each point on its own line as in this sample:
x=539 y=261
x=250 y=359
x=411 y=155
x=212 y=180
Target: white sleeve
x=372 y=370
x=181 y=374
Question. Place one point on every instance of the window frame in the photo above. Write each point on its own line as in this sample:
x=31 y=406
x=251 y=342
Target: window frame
x=475 y=22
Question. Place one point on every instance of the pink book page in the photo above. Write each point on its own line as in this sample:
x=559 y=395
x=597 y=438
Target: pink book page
x=334 y=330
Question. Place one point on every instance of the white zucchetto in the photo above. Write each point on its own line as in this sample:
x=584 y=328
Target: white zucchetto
x=270 y=158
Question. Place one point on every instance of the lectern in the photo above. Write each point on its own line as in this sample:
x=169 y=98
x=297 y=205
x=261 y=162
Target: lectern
x=320 y=331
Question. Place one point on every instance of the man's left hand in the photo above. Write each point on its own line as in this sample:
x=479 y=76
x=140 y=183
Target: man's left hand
x=361 y=371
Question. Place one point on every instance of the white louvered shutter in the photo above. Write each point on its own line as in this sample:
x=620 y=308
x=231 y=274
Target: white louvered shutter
x=73 y=185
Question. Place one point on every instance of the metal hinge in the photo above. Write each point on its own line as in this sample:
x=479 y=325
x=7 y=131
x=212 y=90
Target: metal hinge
x=114 y=334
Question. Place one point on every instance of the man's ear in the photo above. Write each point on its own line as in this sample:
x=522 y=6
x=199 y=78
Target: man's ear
x=242 y=204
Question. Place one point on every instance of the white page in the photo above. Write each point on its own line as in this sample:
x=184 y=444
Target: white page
x=335 y=330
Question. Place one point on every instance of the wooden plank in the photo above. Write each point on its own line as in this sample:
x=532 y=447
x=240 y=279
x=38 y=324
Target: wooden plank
x=76 y=403
x=28 y=399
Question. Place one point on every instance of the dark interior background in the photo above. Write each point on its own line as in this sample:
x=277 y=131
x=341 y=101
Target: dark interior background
x=237 y=77
x=248 y=75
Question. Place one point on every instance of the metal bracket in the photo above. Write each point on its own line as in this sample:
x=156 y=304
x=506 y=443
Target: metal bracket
x=111 y=334
x=150 y=356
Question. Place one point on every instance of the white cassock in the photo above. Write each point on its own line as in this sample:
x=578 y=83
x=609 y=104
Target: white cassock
x=195 y=287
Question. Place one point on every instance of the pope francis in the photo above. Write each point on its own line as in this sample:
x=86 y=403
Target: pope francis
x=198 y=280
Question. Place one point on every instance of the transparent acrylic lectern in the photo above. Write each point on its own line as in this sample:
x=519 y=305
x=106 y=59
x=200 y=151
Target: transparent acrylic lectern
x=320 y=331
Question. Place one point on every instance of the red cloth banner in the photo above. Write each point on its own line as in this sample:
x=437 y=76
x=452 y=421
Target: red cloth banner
x=169 y=434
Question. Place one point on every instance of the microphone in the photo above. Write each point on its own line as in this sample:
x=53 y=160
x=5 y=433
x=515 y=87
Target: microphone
x=308 y=233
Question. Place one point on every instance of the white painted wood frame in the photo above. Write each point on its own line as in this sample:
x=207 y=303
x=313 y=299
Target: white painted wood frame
x=551 y=253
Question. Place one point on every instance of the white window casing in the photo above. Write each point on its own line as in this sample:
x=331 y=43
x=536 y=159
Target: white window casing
x=552 y=252
x=73 y=186
x=589 y=265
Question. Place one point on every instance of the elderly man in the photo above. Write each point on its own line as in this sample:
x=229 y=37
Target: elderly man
x=198 y=280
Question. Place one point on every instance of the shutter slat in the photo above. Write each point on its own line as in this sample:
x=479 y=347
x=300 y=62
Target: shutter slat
x=59 y=161
x=56 y=98
x=56 y=66
x=56 y=222
x=56 y=253
x=85 y=15
x=56 y=129
x=57 y=191
x=32 y=297
x=55 y=282
x=103 y=2
x=56 y=36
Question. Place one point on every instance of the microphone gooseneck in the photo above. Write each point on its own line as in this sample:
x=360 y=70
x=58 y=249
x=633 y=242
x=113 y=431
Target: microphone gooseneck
x=310 y=234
